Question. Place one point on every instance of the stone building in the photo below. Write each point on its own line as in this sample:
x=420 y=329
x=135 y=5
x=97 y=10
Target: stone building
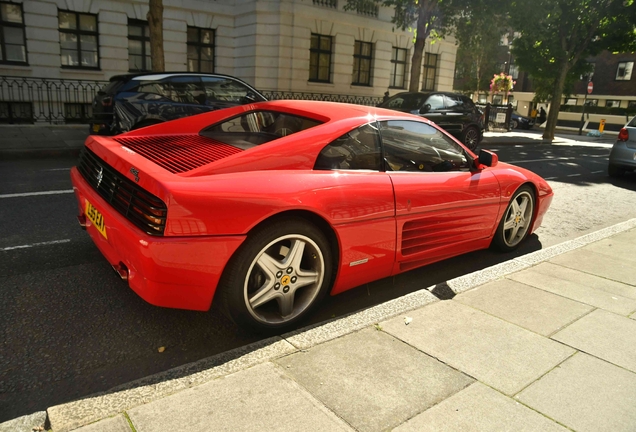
x=56 y=53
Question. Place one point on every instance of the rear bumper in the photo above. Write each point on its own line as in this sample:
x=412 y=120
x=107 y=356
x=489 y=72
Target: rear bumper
x=623 y=156
x=175 y=272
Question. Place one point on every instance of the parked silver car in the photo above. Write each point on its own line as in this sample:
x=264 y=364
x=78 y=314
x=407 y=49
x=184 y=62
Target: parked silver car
x=623 y=155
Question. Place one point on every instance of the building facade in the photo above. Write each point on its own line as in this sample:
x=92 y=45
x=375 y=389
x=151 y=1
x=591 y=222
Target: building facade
x=64 y=50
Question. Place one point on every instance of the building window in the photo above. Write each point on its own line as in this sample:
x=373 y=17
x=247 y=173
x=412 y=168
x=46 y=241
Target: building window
x=612 y=103
x=320 y=58
x=200 y=50
x=12 y=37
x=78 y=112
x=430 y=71
x=16 y=112
x=624 y=71
x=570 y=101
x=79 y=40
x=514 y=71
x=362 y=59
x=139 y=46
x=398 y=68
x=591 y=102
x=631 y=104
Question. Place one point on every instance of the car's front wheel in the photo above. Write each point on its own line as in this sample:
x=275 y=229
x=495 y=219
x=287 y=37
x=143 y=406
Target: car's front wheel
x=277 y=276
x=516 y=221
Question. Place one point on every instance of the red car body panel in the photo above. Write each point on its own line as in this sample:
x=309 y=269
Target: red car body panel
x=384 y=222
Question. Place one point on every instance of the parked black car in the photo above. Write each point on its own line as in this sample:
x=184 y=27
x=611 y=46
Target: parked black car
x=517 y=121
x=137 y=100
x=453 y=112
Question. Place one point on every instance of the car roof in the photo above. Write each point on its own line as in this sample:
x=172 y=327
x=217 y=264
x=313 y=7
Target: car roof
x=156 y=76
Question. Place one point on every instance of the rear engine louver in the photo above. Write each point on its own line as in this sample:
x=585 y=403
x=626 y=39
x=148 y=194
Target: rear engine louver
x=178 y=153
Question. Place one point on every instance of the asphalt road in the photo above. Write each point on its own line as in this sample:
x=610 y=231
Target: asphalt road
x=70 y=327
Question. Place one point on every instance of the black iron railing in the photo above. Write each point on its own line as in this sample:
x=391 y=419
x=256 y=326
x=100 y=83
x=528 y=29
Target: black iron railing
x=497 y=116
x=29 y=100
x=58 y=101
x=359 y=100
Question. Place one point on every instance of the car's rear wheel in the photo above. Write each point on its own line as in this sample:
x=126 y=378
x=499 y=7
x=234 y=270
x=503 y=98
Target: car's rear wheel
x=470 y=137
x=615 y=171
x=516 y=221
x=277 y=276
x=515 y=124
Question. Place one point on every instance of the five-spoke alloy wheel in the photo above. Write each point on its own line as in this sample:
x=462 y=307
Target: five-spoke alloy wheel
x=281 y=271
x=516 y=221
x=470 y=137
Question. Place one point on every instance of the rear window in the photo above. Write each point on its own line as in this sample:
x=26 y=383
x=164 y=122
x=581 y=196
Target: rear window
x=112 y=87
x=257 y=127
x=409 y=101
x=632 y=123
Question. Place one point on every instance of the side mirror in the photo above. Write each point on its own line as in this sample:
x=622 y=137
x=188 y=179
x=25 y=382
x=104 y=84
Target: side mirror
x=426 y=108
x=487 y=158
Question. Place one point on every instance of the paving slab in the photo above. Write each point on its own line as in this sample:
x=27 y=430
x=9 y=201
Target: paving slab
x=605 y=335
x=262 y=398
x=525 y=306
x=586 y=394
x=585 y=288
x=479 y=408
x=598 y=264
x=498 y=353
x=620 y=247
x=372 y=380
x=25 y=423
x=113 y=424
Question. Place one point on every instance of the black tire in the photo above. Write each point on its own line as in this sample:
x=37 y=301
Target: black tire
x=471 y=137
x=615 y=171
x=515 y=124
x=516 y=218
x=273 y=261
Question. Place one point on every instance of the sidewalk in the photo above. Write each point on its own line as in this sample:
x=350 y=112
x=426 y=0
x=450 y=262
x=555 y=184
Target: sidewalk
x=546 y=341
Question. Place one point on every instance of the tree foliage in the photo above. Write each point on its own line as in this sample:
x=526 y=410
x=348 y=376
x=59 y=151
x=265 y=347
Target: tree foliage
x=556 y=36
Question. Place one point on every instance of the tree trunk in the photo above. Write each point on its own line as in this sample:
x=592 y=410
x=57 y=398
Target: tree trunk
x=555 y=102
x=421 y=34
x=155 y=23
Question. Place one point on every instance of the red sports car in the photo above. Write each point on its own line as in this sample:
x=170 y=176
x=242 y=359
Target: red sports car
x=270 y=206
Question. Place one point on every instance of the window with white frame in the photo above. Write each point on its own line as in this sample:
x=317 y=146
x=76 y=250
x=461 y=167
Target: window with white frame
x=624 y=71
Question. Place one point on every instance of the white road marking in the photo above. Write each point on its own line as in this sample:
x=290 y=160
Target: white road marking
x=598 y=172
x=549 y=178
x=27 y=194
x=36 y=244
x=57 y=169
x=573 y=175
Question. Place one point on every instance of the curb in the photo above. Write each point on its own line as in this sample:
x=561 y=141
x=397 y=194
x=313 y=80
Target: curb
x=78 y=413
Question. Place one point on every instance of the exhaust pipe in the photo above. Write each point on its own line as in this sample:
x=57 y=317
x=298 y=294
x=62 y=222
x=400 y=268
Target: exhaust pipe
x=82 y=221
x=121 y=270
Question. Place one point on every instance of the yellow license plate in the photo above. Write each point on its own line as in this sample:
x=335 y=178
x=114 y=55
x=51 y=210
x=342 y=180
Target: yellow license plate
x=96 y=217
x=95 y=128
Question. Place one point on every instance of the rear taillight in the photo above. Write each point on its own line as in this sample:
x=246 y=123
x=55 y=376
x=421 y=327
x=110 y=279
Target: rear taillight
x=623 y=135
x=107 y=101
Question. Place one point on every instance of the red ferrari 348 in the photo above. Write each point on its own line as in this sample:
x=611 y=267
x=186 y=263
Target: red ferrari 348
x=270 y=206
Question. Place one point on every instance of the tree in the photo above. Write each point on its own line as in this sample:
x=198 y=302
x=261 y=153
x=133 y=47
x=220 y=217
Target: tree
x=556 y=36
x=478 y=26
x=155 y=24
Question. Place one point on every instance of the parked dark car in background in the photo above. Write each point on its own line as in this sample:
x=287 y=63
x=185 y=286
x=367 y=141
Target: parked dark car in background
x=137 y=100
x=453 y=112
x=517 y=121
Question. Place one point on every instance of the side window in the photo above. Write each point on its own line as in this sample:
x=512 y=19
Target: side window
x=453 y=102
x=415 y=146
x=187 y=90
x=154 y=88
x=224 y=90
x=356 y=150
x=436 y=102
